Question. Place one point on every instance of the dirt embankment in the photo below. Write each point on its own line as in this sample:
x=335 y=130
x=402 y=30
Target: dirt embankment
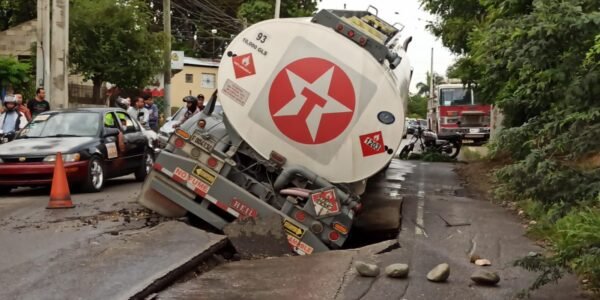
x=479 y=177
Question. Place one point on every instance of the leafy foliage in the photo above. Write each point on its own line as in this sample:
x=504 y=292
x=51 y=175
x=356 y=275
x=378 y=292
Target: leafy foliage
x=258 y=10
x=423 y=87
x=14 y=12
x=540 y=62
x=112 y=42
x=14 y=74
x=417 y=107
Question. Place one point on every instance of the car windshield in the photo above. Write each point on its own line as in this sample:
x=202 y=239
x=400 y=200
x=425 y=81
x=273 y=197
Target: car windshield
x=423 y=123
x=72 y=124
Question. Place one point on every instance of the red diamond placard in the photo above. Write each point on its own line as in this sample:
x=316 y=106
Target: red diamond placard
x=372 y=143
x=243 y=65
x=325 y=203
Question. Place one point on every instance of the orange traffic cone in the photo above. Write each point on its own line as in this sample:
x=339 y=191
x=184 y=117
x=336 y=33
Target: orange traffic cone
x=60 y=196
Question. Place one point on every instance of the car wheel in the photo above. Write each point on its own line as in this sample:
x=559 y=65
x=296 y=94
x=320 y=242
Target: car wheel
x=145 y=168
x=95 y=179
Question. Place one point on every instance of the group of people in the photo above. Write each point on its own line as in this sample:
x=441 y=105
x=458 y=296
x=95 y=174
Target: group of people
x=15 y=115
x=142 y=109
x=145 y=111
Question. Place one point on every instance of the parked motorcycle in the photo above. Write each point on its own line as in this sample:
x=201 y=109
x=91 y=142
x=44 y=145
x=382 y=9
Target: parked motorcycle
x=7 y=137
x=429 y=141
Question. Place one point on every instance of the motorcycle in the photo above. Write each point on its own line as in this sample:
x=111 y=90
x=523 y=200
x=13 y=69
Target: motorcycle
x=7 y=137
x=447 y=144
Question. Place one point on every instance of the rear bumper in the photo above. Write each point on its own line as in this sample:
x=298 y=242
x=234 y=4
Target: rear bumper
x=33 y=174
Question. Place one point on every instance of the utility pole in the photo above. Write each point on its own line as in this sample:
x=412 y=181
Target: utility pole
x=431 y=76
x=42 y=78
x=277 y=8
x=59 y=92
x=167 y=56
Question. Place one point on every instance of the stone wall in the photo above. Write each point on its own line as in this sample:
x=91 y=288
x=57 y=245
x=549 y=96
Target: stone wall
x=17 y=41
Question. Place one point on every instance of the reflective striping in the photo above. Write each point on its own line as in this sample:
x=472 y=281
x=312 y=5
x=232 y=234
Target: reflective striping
x=196 y=186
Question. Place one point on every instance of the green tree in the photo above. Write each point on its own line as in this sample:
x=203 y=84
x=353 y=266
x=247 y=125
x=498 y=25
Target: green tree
x=15 y=12
x=417 y=107
x=423 y=87
x=14 y=73
x=540 y=62
x=457 y=20
x=111 y=41
x=258 y=10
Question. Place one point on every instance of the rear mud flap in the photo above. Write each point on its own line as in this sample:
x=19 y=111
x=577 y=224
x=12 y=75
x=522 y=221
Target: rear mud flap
x=258 y=237
x=157 y=202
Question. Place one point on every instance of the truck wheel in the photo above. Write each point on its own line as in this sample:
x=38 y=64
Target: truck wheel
x=145 y=167
x=95 y=179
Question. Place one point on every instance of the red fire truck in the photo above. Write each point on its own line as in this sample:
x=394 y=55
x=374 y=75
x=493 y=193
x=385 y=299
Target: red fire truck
x=455 y=108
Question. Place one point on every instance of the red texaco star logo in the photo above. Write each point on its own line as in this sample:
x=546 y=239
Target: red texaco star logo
x=312 y=101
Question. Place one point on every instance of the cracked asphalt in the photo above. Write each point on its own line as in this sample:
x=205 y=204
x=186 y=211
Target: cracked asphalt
x=440 y=224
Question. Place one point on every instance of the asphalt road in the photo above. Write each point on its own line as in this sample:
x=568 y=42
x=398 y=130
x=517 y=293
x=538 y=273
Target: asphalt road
x=440 y=224
x=29 y=230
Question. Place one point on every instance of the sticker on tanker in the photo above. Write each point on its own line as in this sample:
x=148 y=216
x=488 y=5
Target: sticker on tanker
x=312 y=101
x=372 y=143
x=243 y=65
x=325 y=203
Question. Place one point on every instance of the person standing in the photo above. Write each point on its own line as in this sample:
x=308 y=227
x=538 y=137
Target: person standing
x=22 y=108
x=38 y=104
x=139 y=112
x=11 y=120
x=153 y=111
x=200 y=102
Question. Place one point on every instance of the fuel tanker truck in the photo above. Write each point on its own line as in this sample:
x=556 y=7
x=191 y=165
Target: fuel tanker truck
x=307 y=110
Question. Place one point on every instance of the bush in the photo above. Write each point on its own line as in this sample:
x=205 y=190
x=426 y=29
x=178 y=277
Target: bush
x=575 y=245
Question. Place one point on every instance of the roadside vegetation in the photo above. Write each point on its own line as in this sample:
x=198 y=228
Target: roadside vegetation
x=539 y=61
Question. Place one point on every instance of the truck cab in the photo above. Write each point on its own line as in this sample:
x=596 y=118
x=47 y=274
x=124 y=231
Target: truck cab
x=455 y=108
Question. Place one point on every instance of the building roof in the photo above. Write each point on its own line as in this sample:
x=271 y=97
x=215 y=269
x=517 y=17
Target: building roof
x=200 y=62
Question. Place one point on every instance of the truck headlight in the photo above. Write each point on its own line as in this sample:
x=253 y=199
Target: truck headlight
x=66 y=157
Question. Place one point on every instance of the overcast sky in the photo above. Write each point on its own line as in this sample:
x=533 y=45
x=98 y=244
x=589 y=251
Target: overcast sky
x=414 y=18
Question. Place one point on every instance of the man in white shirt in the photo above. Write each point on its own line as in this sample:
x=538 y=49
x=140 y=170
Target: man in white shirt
x=138 y=112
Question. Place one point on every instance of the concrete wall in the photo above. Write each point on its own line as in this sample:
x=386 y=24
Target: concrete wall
x=180 y=88
x=18 y=40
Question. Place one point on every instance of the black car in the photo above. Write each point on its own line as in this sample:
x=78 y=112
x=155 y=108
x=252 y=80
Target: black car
x=96 y=144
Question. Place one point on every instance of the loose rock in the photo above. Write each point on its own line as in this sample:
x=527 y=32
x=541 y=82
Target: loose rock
x=440 y=273
x=483 y=262
x=485 y=277
x=474 y=258
x=366 y=270
x=397 y=270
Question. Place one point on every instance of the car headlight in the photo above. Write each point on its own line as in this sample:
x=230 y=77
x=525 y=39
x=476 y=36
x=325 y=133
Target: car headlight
x=1 y=161
x=66 y=157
